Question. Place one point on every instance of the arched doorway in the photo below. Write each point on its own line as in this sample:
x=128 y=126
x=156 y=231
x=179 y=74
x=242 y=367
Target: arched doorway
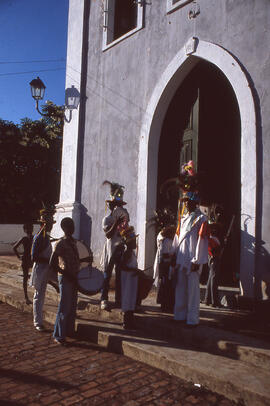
x=162 y=94
x=202 y=123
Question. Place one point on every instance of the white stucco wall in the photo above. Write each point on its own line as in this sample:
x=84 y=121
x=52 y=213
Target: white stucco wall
x=9 y=234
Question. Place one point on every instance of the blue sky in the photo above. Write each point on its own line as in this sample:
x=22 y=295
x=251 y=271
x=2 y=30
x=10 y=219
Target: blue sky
x=31 y=30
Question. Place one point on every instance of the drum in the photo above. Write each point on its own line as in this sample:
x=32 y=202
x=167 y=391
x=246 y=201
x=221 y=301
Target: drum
x=145 y=283
x=90 y=280
x=85 y=254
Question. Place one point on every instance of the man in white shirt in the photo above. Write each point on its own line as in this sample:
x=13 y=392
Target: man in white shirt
x=190 y=247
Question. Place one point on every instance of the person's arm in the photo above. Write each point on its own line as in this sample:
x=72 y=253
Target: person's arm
x=110 y=231
x=37 y=248
x=54 y=262
x=15 y=246
x=201 y=253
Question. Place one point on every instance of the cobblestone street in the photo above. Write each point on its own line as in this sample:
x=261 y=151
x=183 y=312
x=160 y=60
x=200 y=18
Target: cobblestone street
x=35 y=371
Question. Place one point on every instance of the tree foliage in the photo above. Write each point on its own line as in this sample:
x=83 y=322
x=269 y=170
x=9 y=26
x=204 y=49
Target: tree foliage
x=30 y=162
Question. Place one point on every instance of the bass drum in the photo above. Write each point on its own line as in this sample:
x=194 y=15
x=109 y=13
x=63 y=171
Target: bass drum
x=85 y=254
x=90 y=280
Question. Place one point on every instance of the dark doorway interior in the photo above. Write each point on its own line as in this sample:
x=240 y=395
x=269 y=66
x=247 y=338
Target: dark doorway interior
x=205 y=106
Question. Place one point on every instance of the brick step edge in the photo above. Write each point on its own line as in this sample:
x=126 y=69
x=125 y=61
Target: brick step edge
x=238 y=382
x=177 y=367
x=213 y=340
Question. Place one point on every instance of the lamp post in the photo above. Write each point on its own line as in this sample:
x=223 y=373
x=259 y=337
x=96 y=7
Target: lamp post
x=72 y=97
x=37 y=91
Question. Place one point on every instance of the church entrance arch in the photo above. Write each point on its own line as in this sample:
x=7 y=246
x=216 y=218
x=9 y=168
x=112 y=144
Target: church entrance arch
x=202 y=124
x=214 y=58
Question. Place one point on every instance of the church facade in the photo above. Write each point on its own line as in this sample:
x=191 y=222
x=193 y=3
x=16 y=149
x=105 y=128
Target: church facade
x=162 y=82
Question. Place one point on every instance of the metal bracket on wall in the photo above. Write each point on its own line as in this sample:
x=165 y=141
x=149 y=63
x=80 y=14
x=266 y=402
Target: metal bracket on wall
x=194 y=11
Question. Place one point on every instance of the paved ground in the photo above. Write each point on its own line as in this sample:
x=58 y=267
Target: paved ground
x=35 y=371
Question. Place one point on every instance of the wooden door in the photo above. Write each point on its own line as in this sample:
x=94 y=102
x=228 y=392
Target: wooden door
x=189 y=150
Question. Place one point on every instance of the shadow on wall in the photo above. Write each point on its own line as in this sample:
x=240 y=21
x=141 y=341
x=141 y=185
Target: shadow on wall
x=263 y=266
x=85 y=226
x=254 y=251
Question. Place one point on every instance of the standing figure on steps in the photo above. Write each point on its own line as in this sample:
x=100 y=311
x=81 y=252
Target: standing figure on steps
x=128 y=266
x=41 y=253
x=26 y=264
x=191 y=252
x=165 y=220
x=190 y=245
x=112 y=226
x=65 y=261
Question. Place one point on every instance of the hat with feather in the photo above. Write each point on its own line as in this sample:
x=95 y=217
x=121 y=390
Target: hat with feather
x=46 y=214
x=116 y=193
x=188 y=182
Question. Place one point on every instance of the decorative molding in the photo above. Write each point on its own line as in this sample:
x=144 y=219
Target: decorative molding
x=191 y=45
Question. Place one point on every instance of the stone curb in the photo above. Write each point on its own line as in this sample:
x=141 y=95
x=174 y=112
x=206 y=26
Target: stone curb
x=232 y=378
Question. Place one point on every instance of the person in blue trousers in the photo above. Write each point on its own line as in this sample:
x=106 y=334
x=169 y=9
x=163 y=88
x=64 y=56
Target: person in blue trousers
x=65 y=261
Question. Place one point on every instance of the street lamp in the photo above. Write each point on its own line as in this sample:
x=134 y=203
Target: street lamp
x=37 y=91
x=72 y=97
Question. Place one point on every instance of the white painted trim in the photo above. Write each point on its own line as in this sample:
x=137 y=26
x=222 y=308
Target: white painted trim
x=172 y=6
x=106 y=45
x=170 y=80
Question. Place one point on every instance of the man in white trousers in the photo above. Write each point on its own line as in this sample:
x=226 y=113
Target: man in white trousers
x=190 y=247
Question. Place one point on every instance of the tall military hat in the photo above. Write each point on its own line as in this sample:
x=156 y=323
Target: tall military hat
x=116 y=193
x=46 y=214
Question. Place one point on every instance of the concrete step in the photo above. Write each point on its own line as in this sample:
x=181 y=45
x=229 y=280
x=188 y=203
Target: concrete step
x=231 y=377
x=208 y=336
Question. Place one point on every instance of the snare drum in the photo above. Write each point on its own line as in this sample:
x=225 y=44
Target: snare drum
x=90 y=280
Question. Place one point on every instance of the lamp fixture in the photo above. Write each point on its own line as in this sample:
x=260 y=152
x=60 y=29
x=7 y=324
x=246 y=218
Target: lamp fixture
x=72 y=97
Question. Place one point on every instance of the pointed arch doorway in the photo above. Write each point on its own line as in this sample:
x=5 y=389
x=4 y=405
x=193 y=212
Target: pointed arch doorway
x=173 y=76
x=202 y=123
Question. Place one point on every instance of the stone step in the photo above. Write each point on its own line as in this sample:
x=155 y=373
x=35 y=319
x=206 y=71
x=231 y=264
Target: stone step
x=206 y=337
x=232 y=378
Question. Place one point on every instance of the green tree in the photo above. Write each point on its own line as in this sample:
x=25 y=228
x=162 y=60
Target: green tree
x=30 y=163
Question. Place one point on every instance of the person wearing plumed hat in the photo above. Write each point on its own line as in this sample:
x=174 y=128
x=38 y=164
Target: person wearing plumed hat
x=41 y=253
x=112 y=225
x=190 y=246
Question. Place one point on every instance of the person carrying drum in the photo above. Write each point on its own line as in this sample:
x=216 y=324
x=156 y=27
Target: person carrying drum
x=65 y=261
x=41 y=253
x=112 y=225
x=26 y=264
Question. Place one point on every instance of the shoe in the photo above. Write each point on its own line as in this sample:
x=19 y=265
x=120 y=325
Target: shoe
x=59 y=341
x=39 y=327
x=104 y=305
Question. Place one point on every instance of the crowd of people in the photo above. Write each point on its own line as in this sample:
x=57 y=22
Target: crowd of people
x=183 y=247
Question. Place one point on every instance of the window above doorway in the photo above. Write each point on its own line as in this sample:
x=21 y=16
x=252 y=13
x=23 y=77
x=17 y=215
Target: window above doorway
x=122 y=18
x=174 y=4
